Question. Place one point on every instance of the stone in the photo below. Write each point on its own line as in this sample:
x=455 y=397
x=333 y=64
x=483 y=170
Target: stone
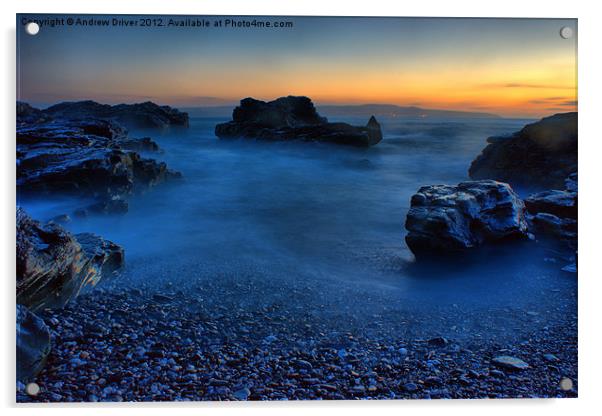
x=242 y=394
x=33 y=344
x=541 y=155
x=438 y=341
x=446 y=219
x=550 y=225
x=410 y=387
x=294 y=118
x=551 y=358
x=54 y=266
x=510 y=363
x=553 y=213
x=562 y=204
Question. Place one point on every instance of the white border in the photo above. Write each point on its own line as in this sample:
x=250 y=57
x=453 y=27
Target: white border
x=590 y=282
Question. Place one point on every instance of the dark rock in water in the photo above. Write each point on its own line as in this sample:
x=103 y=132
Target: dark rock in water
x=144 y=144
x=560 y=203
x=83 y=158
x=140 y=116
x=293 y=118
x=542 y=154
x=444 y=219
x=553 y=213
x=552 y=226
x=54 y=266
x=33 y=344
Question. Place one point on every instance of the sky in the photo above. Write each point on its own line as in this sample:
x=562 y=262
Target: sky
x=510 y=67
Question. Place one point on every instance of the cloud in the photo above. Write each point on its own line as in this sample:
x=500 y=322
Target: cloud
x=527 y=85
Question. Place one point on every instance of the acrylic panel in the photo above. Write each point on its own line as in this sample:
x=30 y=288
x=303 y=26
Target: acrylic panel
x=295 y=208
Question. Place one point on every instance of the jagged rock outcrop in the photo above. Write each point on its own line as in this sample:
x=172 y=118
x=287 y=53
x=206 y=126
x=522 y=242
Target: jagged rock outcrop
x=85 y=158
x=54 y=266
x=445 y=219
x=33 y=344
x=147 y=115
x=293 y=118
x=26 y=114
x=541 y=155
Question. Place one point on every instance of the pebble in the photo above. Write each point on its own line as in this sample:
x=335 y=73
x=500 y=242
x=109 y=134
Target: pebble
x=510 y=363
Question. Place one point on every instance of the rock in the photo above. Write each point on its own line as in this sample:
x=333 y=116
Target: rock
x=26 y=114
x=293 y=118
x=302 y=364
x=553 y=213
x=438 y=341
x=144 y=144
x=552 y=226
x=562 y=204
x=510 y=363
x=242 y=394
x=145 y=115
x=551 y=358
x=33 y=344
x=444 y=219
x=161 y=298
x=83 y=158
x=410 y=387
x=542 y=154
x=54 y=266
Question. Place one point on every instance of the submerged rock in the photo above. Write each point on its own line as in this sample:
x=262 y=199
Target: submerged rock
x=293 y=118
x=445 y=219
x=140 y=116
x=54 y=266
x=33 y=344
x=541 y=155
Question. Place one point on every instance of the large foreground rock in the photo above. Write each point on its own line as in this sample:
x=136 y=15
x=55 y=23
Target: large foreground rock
x=293 y=118
x=541 y=155
x=54 y=266
x=33 y=344
x=85 y=158
x=147 y=115
x=446 y=219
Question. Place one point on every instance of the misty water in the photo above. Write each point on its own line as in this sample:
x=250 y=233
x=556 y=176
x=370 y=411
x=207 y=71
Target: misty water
x=319 y=228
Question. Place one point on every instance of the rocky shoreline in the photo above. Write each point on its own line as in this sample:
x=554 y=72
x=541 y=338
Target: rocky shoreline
x=74 y=149
x=201 y=343
x=209 y=341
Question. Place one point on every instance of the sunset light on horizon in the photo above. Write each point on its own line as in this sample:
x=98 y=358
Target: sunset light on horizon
x=509 y=67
